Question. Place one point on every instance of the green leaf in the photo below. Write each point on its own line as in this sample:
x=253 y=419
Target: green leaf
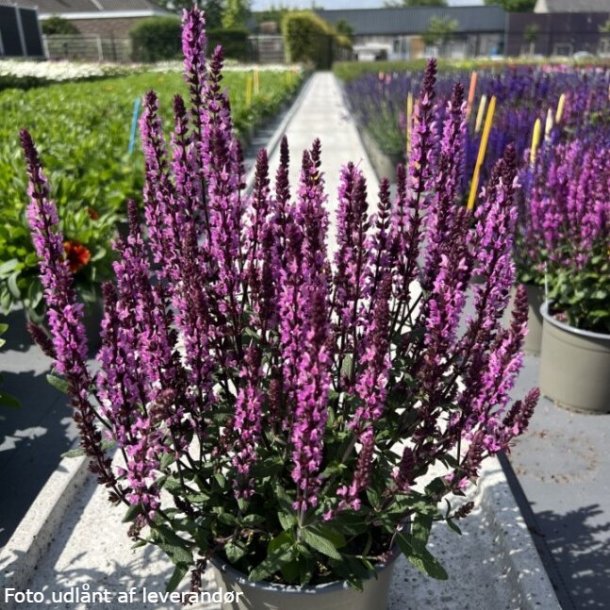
x=291 y=571
x=422 y=524
x=234 y=552
x=281 y=540
x=58 y=383
x=6 y=400
x=174 y=547
x=12 y=285
x=319 y=543
x=454 y=526
x=287 y=520
x=8 y=267
x=278 y=553
x=422 y=559
x=176 y=578
x=132 y=512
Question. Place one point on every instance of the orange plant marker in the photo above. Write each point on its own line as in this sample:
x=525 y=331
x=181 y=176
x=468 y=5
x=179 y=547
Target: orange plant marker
x=471 y=91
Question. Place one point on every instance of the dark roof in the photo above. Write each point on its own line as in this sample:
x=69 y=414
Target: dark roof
x=375 y=21
x=65 y=7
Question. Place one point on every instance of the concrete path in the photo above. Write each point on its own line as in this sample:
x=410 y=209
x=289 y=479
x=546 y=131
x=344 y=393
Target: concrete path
x=562 y=464
x=492 y=566
x=323 y=115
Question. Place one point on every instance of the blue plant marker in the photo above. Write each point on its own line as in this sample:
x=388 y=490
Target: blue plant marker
x=134 y=125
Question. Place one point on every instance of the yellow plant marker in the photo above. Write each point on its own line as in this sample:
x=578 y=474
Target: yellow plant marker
x=535 y=141
x=560 y=104
x=474 y=185
x=409 y=121
x=471 y=91
x=480 y=114
x=256 y=82
x=248 y=90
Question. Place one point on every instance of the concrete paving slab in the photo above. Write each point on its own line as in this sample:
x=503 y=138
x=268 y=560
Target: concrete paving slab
x=33 y=437
x=562 y=464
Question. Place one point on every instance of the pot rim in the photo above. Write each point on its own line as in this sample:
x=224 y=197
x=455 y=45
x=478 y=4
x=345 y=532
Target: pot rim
x=330 y=587
x=589 y=334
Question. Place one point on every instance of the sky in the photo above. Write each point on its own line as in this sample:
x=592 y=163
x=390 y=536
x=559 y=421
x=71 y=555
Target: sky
x=258 y=5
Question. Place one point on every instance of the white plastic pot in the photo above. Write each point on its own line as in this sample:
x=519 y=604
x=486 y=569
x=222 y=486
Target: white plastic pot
x=332 y=596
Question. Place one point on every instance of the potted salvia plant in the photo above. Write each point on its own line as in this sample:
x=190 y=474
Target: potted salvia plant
x=570 y=208
x=530 y=251
x=275 y=411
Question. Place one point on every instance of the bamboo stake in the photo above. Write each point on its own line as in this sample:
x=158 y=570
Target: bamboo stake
x=535 y=141
x=480 y=114
x=560 y=105
x=409 y=117
x=474 y=185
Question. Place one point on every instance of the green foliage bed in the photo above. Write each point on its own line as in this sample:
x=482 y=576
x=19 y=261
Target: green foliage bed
x=83 y=134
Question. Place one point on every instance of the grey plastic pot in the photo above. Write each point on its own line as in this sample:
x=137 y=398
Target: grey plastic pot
x=535 y=299
x=331 y=596
x=574 y=366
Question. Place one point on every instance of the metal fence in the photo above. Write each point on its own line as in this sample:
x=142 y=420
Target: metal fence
x=262 y=49
x=88 y=47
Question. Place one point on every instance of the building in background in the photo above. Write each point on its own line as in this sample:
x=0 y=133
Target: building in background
x=102 y=27
x=20 y=34
x=563 y=34
x=572 y=6
x=103 y=18
x=407 y=33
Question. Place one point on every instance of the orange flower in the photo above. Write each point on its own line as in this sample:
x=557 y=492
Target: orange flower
x=77 y=255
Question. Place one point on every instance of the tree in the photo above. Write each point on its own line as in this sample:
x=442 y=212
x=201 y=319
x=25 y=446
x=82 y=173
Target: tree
x=213 y=9
x=58 y=26
x=344 y=28
x=412 y=3
x=235 y=14
x=530 y=35
x=514 y=6
x=439 y=31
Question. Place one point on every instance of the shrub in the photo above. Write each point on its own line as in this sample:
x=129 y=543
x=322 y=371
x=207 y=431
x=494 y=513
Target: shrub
x=58 y=26
x=310 y=39
x=156 y=39
x=234 y=42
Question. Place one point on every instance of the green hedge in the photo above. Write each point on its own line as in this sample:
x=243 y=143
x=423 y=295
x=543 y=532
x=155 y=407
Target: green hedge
x=350 y=70
x=156 y=39
x=310 y=39
x=233 y=41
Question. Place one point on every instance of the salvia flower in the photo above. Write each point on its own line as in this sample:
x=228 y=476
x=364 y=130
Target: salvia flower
x=267 y=402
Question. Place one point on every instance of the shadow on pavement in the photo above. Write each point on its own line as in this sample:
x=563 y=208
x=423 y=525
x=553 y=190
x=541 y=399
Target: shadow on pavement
x=32 y=439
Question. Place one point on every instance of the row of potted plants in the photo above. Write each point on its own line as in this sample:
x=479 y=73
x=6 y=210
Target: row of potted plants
x=563 y=254
x=562 y=245
x=294 y=419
